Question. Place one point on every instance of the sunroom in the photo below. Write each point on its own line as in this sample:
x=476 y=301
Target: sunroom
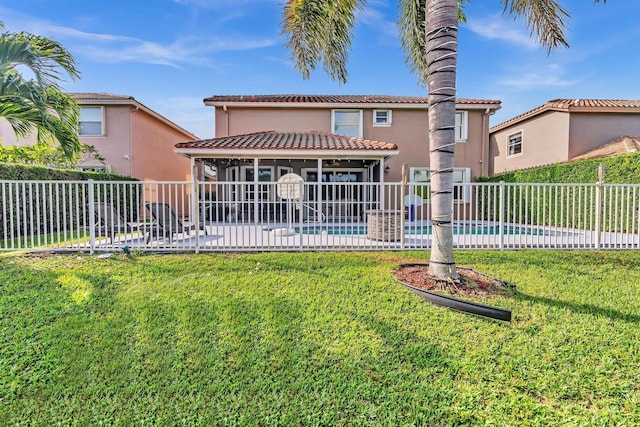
x=336 y=177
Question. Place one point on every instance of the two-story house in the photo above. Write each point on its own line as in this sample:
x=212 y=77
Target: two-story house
x=559 y=131
x=336 y=138
x=133 y=139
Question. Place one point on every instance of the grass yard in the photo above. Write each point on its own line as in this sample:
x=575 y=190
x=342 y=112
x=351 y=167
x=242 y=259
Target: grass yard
x=307 y=339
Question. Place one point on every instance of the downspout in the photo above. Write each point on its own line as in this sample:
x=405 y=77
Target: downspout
x=226 y=119
x=484 y=145
x=135 y=109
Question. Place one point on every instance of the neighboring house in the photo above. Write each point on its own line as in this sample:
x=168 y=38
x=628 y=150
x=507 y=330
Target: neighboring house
x=134 y=140
x=397 y=123
x=559 y=131
x=624 y=145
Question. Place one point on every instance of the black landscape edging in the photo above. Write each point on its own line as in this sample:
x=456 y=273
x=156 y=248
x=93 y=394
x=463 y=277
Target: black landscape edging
x=458 y=304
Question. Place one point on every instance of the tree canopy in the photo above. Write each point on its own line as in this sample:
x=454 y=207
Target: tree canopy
x=31 y=98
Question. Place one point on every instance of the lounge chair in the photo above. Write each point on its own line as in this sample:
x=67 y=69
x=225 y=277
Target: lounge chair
x=166 y=223
x=109 y=222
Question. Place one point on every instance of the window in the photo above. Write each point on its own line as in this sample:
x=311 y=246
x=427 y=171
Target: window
x=347 y=122
x=91 y=121
x=461 y=125
x=461 y=176
x=382 y=117
x=103 y=168
x=514 y=144
x=265 y=174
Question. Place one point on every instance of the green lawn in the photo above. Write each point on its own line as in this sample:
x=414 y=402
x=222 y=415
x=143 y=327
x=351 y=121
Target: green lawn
x=315 y=339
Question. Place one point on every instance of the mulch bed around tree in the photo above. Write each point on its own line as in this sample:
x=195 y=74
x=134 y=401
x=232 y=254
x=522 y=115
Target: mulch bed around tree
x=472 y=283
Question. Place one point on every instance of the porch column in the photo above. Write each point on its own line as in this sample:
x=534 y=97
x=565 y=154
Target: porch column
x=319 y=200
x=381 y=174
x=196 y=207
x=193 y=206
x=256 y=191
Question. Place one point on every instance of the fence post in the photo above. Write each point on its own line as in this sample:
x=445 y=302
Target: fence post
x=92 y=218
x=599 y=188
x=501 y=215
x=403 y=186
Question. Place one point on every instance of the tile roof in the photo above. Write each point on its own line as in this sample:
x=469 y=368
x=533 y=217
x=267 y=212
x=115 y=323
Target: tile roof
x=594 y=103
x=623 y=145
x=337 y=99
x=99 y=96
x=272 y=140
x=574 y=105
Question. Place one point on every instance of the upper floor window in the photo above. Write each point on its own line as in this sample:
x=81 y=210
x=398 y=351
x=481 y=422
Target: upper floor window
x=91 y=121
x=382 y=117
x=347 y=122
x=461 y=125
x=514 y=144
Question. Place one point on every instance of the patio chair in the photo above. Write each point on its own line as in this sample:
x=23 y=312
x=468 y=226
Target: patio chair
x=109 y=222
x=166 y=223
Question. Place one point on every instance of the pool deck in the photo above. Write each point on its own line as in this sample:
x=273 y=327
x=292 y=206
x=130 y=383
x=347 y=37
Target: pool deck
x=224 y=237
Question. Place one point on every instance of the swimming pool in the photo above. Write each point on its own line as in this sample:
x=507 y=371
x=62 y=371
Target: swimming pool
x=460 y=229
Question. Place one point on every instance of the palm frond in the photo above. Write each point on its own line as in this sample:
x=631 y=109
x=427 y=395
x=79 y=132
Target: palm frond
x=51 y=55
x=57 y=124
x=320 y=31
x=34 y=102
x=411 y=23
x=546 y=19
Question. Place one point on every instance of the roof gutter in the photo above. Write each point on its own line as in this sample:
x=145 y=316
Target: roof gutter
x=286 y=154
x=388 y=105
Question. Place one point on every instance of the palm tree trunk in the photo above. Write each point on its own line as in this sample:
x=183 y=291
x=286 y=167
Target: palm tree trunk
x=442 y=49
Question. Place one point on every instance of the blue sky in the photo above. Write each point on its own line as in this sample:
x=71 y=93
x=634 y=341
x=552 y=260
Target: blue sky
x=170 y=54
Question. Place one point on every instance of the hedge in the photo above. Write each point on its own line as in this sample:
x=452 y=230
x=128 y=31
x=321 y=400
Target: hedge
x=17 y=172
x=30 y=208
x=623 y=169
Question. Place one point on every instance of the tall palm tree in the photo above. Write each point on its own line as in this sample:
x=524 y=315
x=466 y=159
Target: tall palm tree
x=31 y=99
x=321 y=31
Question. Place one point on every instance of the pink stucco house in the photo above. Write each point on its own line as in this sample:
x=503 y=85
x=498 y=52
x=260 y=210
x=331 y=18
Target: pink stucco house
x=134 y=140
x=348 y=139
x=559 y=131
x=367 y=136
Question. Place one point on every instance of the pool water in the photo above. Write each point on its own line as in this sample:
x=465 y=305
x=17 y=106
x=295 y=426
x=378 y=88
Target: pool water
x=423 y=229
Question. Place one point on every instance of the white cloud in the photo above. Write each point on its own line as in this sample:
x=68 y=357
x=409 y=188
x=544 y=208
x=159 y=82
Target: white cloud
x=216 y=3
x=549 y=76
x=374 y=18
x=189 y=50
x=496 y=27
x=112 y=48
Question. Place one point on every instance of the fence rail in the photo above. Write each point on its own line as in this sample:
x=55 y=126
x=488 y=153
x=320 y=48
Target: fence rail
x=230 y=216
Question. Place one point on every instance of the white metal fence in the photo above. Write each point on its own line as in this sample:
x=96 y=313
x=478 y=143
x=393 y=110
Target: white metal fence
x=230 y=216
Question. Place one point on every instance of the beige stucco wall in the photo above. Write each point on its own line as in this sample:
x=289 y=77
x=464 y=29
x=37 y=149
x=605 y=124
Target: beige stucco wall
x=114 y=145
x=152 y=155
x=247 y=120
x=591 y=130
x=409 y=130
x=7 y=136
x=135 y=144
x=544 y=141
